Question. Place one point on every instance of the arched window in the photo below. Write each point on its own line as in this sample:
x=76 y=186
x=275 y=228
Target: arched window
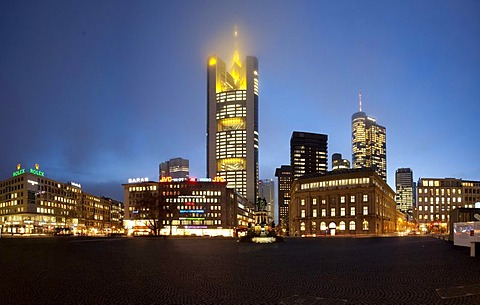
x=342 y=226
x=302 y=226
x=323 y=226
x=365 y=225
x=332 y=225
x=351 y=225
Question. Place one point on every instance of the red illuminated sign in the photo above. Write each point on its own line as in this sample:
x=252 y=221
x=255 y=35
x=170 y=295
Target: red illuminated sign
x=191 y=179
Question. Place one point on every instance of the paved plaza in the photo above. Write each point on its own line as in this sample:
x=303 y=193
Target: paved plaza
x=393 y=270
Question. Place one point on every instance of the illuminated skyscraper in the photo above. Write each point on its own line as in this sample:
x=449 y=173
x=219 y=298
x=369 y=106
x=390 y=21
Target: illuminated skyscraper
x=232 y=123
x=175 y=168
x=308 y=153
x=405 y=189
x=284 y=175
x=369 y=145
x=338 y=163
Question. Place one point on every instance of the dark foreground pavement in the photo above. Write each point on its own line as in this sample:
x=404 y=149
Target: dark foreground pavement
x=403 y=270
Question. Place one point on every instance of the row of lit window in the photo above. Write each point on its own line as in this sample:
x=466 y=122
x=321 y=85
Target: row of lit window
x=342 y=199
x=341 y=227
x=54 y=204
x=439 y=191
x=207 y=222
x=437 y=200
x=333 y=183
x=206 y=193
x=8 y=203
x=333 y=212
x=8 y=211
x=142 y=188
x=45 y=210
x=432 y=217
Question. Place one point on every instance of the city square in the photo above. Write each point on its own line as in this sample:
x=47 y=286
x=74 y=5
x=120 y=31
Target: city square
x=196 y=270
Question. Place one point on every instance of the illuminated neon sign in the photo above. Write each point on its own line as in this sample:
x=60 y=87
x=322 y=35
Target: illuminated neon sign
x=37 y=172
x=32 y=171
x=191 y=179
x=75 y=184
x=32 y=182
x=19 y=172
x=192 y=211
x=136 y=180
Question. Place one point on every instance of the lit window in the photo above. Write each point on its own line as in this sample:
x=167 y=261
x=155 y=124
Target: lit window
x=332 y=212
x=314 y=201
x=365 y=210
x=303 y=213
x=352 y=211
x=324 y=212
x=342 y=225
x=342 y=199
x=323 y=226
x=314 y=213
x=351 y=226
x=365 y=198
x=342 y=211
x=352 y=198
x=302 y=226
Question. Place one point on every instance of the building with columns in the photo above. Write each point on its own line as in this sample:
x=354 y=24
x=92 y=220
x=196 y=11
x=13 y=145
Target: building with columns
x=345 y=202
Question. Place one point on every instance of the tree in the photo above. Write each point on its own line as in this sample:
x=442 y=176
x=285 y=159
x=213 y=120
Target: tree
x=151 y=208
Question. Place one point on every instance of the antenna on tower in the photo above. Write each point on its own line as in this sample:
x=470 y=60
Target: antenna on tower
x=360 y=99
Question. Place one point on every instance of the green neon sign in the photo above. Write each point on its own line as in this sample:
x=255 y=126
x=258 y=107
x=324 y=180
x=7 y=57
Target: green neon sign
x=19 y=172
x=36 y=172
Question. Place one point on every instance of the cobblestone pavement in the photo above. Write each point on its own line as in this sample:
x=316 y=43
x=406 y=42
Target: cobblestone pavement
x=394 y=270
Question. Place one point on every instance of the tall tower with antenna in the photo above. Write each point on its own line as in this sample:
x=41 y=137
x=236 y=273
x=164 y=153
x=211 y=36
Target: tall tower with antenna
x=232 y=121
x=369 y=142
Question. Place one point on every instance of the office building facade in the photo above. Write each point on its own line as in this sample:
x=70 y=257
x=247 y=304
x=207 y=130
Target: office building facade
x=284 y=184
x=353 y=201
x=31 y=203
x=175 y=168
x=232 y=123
x=308 y=153
x=405 y=190
x=202 y=207
x=369 y=143
x=437 y=197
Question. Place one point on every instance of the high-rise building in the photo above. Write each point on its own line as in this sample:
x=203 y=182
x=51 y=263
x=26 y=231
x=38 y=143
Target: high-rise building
x=437 y=197
x=308 y=153
x=175 y=168
x=339 y=163
x=266 y=190
x=284 y=175
x=232 y=123
x=369 y=144
x=405 y=190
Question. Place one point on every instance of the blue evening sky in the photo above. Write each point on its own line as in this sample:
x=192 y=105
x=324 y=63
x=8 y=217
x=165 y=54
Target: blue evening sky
x=97 y=92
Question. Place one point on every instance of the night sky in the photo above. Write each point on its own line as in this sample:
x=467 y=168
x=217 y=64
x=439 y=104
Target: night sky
x=97 y=92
